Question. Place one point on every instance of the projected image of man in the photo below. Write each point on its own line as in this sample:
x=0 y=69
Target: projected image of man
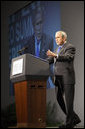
x=39 y=42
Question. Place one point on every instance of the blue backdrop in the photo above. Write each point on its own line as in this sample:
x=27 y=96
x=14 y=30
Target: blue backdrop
x=20 y=27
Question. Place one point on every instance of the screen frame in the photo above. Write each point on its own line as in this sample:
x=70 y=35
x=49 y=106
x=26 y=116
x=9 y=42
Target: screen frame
x=14 y=69
x=23 y=69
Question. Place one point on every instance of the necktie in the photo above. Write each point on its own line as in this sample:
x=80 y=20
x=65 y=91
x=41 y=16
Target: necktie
x=37 y=54
x=59 y=48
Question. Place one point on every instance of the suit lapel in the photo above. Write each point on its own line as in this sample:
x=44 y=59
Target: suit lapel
x=33 y=45
x=42 y=47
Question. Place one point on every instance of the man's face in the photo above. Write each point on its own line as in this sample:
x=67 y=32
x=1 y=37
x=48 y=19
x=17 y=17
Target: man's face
x=38 y=26
x=59 y=39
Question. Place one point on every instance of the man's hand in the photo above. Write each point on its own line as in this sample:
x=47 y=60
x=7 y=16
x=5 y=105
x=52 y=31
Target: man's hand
x=50 y=53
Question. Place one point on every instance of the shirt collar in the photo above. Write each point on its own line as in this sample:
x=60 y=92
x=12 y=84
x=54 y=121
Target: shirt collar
x=62 y=44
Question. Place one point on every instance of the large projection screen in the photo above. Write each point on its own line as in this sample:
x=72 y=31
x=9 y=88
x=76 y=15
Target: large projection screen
x=25 y=26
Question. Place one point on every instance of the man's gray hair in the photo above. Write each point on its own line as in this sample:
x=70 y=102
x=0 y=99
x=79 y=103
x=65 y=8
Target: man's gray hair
x=63 y=34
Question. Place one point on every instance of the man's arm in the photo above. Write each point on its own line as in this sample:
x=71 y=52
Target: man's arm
x=68 y=56
x=51 y=56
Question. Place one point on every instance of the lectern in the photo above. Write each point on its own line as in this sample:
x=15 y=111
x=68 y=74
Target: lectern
x=29 y=75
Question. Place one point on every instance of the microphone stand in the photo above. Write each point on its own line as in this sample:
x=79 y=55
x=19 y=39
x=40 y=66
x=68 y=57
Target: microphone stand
x=21 y=50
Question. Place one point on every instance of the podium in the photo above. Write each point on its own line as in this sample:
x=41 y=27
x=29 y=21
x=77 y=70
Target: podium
x=29 y=75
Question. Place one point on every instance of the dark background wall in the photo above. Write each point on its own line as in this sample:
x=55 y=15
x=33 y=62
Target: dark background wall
x=7 y=8
x=72 y=21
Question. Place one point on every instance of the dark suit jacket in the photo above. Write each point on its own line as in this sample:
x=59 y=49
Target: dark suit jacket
x=46 y=43
x=64 y=65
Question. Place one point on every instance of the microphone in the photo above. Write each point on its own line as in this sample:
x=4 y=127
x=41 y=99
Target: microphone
x=21 y=50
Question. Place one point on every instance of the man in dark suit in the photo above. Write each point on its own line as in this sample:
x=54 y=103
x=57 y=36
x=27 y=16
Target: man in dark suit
x=39 y=42
x=63 y=59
